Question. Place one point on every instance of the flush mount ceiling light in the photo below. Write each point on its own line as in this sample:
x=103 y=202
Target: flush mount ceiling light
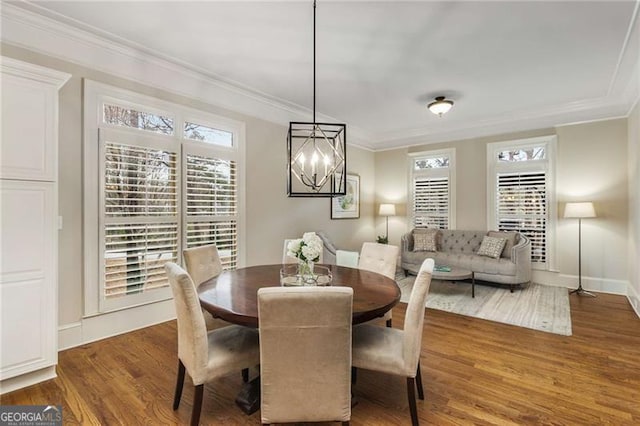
x=316 y=152
x=440 y=106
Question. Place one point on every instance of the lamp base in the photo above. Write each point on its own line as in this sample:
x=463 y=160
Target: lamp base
x=582 y=292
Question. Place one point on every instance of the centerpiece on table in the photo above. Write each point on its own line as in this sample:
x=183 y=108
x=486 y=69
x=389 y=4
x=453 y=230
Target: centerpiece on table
x=307 y=251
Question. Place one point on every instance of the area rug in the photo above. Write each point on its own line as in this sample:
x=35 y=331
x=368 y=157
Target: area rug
x=536 y=306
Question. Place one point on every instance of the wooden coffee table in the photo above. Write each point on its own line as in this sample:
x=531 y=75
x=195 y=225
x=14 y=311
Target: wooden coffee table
x=456 y=274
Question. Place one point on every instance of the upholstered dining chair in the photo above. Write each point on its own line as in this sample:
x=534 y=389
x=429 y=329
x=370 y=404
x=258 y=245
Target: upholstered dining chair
x=347 y=258
x=307 y=379
x=394 y=351
x=380 y=258
x=205 y=355
x=202 y=264
x=289 y=259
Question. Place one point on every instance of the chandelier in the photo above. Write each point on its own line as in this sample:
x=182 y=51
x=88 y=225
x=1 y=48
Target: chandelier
x=316 y=152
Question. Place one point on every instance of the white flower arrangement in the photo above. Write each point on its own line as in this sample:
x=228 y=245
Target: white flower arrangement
x=307 y=248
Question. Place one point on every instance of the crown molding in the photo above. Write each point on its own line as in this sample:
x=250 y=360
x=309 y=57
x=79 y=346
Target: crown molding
x=600 y=109
x=23 y=69
x=39 y=30
x=633 y=32
x=34 y=28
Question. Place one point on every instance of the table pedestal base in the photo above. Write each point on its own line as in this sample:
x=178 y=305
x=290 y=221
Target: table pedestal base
x=249 y=397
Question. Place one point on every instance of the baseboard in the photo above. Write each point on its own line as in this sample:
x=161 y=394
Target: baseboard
x=599 y=285
x=634 y=299
x=69 y=335
x=27 y=379
x=110 y=324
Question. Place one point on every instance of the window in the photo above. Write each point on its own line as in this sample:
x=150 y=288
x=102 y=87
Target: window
x=212 y=205
x=140 y=207
x=151 y=191
x=432 y=189
x=133 y=118
x=521 y=190
x=200 y=132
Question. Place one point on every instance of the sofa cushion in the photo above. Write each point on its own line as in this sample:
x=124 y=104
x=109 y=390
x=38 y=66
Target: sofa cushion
x=425 y=239
x=475 y=263
x=455 y=241
x=492 y=247
x=512 y=239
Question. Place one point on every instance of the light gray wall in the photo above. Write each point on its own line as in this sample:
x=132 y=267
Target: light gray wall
x=634 y=207
x=270 y=215
x=591 y=166
x=392 y=180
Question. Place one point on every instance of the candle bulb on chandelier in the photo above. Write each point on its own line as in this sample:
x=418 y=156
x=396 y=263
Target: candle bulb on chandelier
x=314 y=160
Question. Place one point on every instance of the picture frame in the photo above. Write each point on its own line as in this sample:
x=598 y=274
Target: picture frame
x=347 y=206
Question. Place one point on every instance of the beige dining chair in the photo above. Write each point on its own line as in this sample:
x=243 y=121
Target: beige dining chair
x=289 y=259
x=203 y=263
x=380 y=258
x=394 y=351
x=308 y=378
x=205 y=355
x=347 y=258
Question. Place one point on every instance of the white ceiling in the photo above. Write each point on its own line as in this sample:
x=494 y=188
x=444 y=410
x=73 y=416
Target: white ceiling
x=507 y=65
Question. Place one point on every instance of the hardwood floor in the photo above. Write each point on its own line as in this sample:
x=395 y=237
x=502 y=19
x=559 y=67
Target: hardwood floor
x=474 y=372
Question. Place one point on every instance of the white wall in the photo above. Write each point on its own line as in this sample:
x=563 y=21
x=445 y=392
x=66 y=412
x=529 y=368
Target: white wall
x=634 y=208
x=270 y=215
x=591 y=166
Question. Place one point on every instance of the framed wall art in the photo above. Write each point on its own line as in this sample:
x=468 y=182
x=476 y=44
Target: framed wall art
x=347 y=206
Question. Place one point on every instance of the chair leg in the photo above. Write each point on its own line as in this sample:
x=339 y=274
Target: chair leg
x=197 y=405
x=419 y=382
x=245 y=375
x=179 y=384
x=411 y=393
x=389 y=323
x=354 y=375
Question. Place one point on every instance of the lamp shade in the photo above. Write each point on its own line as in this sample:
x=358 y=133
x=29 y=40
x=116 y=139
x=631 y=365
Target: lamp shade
x=579 y=210
x=387 y=210
x=440 y=106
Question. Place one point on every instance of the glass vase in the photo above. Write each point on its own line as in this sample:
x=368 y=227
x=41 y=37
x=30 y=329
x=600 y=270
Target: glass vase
x=305 y=272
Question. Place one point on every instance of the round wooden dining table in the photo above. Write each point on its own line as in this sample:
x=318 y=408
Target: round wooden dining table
x=233 y=295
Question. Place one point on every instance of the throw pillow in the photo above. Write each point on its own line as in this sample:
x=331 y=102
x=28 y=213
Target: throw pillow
x=492 y=247
x=424 y=239
x=511 y=241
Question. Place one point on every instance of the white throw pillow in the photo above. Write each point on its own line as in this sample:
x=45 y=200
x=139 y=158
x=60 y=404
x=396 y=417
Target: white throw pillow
x=492 y=247
x=511 y=241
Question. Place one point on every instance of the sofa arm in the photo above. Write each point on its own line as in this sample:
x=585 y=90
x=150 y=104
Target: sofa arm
x=521 y=256
x=406 y=242
x=329 y=250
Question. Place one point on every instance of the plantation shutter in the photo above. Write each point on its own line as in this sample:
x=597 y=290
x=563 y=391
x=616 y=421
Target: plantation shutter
x=431 y=202
x=212 y=205
x=522 y=206
x=140 y=214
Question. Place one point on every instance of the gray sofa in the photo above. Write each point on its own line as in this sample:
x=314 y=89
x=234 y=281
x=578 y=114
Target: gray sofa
x=458 y=248
x=328 y=249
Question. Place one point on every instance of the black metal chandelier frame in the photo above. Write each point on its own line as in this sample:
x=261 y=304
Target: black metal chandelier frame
x=326 y=145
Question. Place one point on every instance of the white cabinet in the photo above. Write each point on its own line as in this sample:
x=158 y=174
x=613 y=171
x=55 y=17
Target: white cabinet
x=28 y=219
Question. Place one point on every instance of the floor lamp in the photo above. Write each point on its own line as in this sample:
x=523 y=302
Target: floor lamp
x=387 y=210
x=580 y=211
